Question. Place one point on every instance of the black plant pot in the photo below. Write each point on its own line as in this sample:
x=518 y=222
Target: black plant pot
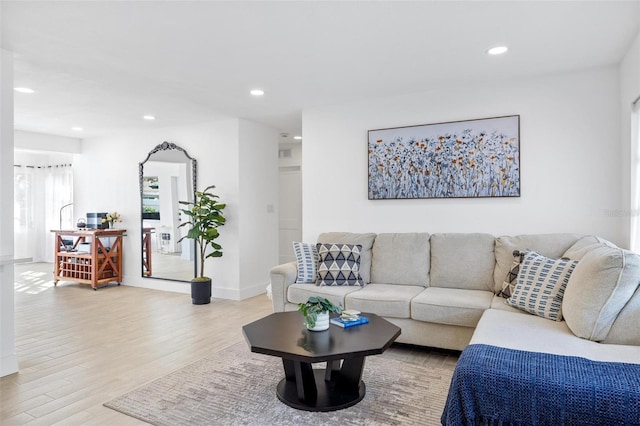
x=201 y=292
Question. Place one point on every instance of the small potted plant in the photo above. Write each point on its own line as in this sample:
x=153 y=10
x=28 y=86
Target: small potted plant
x=316 y=312
x=205 y=217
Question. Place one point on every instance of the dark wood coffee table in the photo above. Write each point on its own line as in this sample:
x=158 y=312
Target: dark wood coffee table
x=337 y=386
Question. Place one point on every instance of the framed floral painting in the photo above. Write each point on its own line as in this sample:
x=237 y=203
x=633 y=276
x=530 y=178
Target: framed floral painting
x=458 y=159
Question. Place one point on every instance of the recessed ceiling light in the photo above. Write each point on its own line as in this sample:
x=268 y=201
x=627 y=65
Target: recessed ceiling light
x=298 y=138
x=24 y=90
x=257 y=92
x=77 y=129
x=498 y=50
x=148 y=117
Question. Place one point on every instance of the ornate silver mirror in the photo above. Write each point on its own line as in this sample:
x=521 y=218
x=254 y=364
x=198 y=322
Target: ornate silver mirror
x=167 y=176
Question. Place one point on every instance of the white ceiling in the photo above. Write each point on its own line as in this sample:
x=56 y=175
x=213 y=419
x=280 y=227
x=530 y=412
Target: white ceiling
x=102 y=65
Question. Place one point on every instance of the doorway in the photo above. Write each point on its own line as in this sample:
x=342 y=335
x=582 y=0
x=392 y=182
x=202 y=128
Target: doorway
x=290 y=200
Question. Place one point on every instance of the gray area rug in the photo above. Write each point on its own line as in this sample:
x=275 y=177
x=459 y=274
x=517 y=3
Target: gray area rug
x=237 y=387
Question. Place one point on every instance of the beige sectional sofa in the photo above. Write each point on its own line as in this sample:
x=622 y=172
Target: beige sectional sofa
x=516 y=367
x=438 y=287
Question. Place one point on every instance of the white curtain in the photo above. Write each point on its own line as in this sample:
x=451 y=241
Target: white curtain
x=39 y=194
x=635 y=177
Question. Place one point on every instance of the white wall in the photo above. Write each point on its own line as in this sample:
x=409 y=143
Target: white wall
x=629 y=91
x=106 y=179
x=8 y=360
x=40 y=158
x=258 y=206
x=295 y=148
x=570 y=160
x=45 y=142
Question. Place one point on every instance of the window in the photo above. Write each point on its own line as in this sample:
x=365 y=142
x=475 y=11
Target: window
x=39 y=194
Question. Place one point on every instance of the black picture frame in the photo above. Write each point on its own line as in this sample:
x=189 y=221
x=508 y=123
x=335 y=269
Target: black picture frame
x=475 y=158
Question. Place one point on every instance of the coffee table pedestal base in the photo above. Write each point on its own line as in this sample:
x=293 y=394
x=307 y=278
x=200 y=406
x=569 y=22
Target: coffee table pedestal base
x=329 y=397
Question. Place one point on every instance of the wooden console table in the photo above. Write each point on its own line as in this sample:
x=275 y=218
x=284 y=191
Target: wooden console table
x=100 y=264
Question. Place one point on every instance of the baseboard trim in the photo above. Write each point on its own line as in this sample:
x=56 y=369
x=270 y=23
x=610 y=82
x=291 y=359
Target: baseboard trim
x=239 y=294
x=163 y=285
x=185 y=287
x=254 y=290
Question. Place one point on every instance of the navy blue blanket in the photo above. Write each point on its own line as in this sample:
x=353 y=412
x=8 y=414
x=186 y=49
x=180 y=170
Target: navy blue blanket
x=498 y=386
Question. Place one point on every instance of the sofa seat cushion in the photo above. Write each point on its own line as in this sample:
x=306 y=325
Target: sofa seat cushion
x=300 y=293
x=462 y=261
x=387 y=300
x=536 y=334
x=401 y=258
x=451 y=306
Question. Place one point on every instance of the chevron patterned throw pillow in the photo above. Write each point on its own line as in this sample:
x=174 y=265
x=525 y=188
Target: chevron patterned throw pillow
x=339 y=264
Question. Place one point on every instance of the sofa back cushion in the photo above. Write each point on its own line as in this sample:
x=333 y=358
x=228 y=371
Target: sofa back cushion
x=401 y=258
x=549 y=245
x=601 y=285
x=584 y=245
x=625 y=329
x=464 y=261
x=364 y=240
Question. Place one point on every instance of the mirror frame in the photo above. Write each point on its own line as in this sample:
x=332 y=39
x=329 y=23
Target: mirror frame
x=166 y=146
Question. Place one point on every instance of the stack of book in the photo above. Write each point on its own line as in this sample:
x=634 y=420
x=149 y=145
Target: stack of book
x=349 y=318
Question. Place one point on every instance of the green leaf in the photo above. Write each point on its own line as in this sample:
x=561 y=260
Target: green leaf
x=204 y=218
x=313 y=306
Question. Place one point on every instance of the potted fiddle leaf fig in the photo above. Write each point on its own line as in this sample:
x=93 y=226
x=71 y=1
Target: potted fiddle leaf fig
x=316 y=312
x=205 y=217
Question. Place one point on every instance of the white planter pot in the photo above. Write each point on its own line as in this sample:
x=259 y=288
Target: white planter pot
x=322 y=322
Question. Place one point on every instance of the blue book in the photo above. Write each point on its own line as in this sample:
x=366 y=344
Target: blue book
x=345 y=324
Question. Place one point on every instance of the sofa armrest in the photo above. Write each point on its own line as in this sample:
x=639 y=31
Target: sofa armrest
x=281 y=277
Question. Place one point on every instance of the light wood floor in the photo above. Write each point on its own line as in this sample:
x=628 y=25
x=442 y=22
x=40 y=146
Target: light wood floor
x=79 y=348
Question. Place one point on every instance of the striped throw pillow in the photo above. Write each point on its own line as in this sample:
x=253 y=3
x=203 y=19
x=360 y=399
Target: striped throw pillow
x=307 y=258
x=540 y=285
